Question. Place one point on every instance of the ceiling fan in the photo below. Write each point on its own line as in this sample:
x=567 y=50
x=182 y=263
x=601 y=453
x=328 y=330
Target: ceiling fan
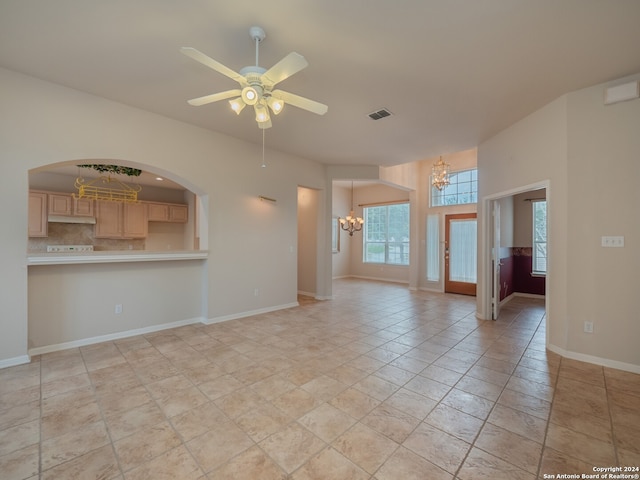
x=257 y=84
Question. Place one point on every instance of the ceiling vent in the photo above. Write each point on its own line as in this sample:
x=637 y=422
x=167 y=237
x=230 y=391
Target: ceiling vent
x=378 y=114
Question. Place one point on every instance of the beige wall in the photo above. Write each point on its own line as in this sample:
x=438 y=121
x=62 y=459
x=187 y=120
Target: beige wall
x=340 y=261
x=73 y=303
x=566 y=146
x=523 y=217
x=367 y=195
x=604 y=177
x=464 y=160
x=308 y=204
x=251 y=244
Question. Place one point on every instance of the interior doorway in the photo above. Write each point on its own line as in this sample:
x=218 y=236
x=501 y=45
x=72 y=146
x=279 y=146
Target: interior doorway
x=509 y=252
x=461 y=253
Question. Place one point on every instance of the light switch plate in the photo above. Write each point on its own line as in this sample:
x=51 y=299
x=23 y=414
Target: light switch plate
x=613 y=241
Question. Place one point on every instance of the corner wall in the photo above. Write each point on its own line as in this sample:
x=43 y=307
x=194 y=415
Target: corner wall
x=251 y=245
x=588 y=153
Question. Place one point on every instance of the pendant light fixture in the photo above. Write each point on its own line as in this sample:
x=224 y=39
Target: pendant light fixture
x=351 y=223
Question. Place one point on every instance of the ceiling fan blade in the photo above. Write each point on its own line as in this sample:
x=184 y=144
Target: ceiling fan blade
x=211 y=63
x=196 y=102
x=301 y=102
x=292 y=63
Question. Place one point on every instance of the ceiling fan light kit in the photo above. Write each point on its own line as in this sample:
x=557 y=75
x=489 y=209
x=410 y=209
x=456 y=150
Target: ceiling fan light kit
x=257 y=83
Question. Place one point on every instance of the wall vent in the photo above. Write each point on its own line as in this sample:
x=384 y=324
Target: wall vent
x=378 y=114
x=622 y=93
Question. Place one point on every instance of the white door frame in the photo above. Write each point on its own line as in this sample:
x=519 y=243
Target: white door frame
x=487 y=234
x=495 y=259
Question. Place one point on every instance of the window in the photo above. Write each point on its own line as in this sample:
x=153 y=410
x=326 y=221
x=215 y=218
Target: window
x=539 y=264
x=462 y=189
x=433 y=248
x=386 y=234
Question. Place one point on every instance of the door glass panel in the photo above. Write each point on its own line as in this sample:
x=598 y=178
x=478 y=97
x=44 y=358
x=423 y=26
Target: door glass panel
x=463 y=251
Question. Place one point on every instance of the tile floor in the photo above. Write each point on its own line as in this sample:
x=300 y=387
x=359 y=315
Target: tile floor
x=380 y=383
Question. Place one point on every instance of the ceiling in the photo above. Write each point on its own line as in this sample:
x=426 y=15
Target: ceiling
x=452 y=72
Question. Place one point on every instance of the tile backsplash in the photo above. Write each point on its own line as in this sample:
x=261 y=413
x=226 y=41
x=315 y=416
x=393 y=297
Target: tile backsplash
x=81 y=234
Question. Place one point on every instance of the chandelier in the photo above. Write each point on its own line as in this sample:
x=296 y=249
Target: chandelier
x=440 y=174
x=351 y=223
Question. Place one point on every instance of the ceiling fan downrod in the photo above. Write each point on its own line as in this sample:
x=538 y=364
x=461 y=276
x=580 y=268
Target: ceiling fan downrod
x=258 y=34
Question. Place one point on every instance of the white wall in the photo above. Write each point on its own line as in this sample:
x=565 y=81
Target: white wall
x=567 y=145
x=251 y=244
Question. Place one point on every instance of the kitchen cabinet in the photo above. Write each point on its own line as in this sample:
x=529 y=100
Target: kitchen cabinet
x=82 y=207
x=121 y=220
x=37 y=214
x=168 y=212
x=135 y=222
x=66 y=204
x=60 y=204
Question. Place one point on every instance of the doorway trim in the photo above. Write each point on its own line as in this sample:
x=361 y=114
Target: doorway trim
x=486 y=227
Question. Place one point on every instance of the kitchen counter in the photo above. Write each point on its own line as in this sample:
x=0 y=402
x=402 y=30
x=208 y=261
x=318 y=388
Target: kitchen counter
x=70 y=258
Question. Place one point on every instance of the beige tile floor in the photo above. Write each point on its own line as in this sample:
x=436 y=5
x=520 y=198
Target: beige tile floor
x=380 y=383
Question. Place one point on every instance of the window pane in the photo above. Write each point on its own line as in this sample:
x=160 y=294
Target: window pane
x=386 y=237
x=539 y=264
x=433 y=248
x=462 y=189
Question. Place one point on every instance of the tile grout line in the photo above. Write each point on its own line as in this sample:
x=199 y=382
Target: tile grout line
x=40 y=418
x=546 y=428
x=614 y=438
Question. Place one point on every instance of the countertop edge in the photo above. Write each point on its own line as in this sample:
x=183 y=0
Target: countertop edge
x=115 y=257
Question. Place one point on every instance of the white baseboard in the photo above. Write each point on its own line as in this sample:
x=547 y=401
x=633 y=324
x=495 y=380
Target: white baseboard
x=506 y=300
x=112 y=336
x=431 y=290
x=605 y=362
x=249 y=313
x=528 y=295
x=377 y=279
x=12 y=362
x=324 y=297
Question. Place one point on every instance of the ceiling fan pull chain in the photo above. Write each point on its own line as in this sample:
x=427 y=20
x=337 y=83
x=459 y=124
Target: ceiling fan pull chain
x=264 y=165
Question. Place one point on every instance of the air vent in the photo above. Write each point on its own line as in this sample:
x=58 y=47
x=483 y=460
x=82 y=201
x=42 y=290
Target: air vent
x=377 y=115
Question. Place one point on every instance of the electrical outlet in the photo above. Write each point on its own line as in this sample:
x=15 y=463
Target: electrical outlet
x=608 y=241
x=118 y=309
x=588 y=327
x=256 y=292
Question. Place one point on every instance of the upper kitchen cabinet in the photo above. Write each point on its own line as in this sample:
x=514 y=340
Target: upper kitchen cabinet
x=38 y=214
x=121 y=220
x=167 y=212
x=67 y=204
